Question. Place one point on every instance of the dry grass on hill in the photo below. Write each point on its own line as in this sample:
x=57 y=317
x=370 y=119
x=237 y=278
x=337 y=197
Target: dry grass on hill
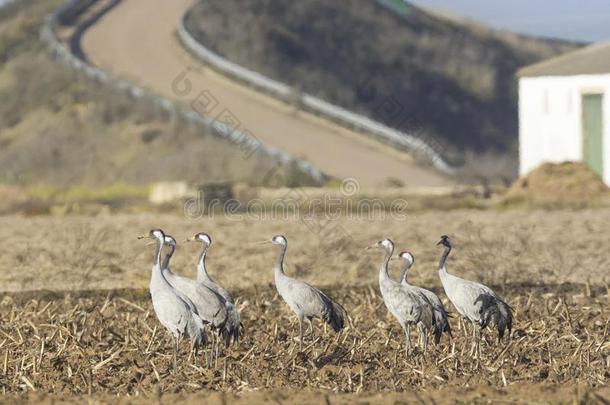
x=60 y=129
x=452 y=83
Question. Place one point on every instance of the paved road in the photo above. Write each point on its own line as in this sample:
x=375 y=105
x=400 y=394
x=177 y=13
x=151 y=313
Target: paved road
x=136 y=40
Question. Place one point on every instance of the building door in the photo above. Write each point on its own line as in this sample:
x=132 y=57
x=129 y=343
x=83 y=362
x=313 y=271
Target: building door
x=592 y=133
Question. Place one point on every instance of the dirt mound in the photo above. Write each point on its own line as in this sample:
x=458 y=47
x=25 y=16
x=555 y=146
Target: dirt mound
x=559 y=182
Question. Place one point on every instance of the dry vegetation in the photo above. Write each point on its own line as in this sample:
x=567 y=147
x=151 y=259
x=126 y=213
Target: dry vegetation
x=106 y=343
x=87 y=336
x=76 y=322
x=511 y=247
x=60 y=129
x=451 y=82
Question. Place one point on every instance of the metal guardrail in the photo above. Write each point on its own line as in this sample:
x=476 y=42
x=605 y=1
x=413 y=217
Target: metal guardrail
x=286 y=93
x=211 y=126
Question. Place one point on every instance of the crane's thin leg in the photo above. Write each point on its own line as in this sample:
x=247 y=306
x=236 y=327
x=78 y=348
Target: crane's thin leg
x=408 y=336
x=425 y=339
x=176 y=347
x=208 y=353
x=310 y=321
x=194 y=352
x=464 y=323
x=478 y=354
x=217 y=350
x=474 y=339
x=300 y=333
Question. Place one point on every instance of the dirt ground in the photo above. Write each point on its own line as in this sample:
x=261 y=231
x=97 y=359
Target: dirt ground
x=109 y=343
x=496 y=247
x=77 y=322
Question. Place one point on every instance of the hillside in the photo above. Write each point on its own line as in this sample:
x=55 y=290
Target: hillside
x=451 y=82
x=59 y=129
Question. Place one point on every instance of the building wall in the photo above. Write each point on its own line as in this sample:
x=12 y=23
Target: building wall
x=550 y=119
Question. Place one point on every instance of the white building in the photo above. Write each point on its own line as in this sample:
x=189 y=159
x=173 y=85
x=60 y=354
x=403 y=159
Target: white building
x=564 y=110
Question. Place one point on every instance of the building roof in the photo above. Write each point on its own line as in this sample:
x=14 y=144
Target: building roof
x=590 y=60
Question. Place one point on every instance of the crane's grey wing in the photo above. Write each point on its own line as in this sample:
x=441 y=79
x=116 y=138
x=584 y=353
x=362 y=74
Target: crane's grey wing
x=403 y=303
x=441 y=316
x=494 y=311
x=208 y=304
x=231 y=329
x=224 y=294
x=333 y=313
x=172 y=312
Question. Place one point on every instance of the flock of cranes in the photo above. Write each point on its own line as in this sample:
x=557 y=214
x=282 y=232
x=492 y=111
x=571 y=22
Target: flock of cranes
x=187 y=307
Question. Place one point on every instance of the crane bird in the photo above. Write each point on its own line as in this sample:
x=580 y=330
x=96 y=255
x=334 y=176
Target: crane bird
x=173 y=309
x=405 y=302
x=232 y=327
x=208 y=304
x=474 y=301
x=306 y=301
x=441 y=317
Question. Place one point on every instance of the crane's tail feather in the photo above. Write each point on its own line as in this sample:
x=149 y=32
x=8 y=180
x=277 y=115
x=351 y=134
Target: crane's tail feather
x=333 y=314
x=437 y=321
x=505 y=321
x=441 y=324
x=496 y=313
x=231 y=329
x=195 y=329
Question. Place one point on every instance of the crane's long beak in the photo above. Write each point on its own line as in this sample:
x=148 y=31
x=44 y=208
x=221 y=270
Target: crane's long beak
x=189 y=239
x=264 y=242
x=373 y=246
x=394 y=259
x=143 y=237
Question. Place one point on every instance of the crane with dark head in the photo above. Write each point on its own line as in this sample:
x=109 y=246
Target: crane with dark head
x=474 y=301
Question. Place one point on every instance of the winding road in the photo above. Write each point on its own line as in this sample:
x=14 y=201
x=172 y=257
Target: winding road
x=136 y=40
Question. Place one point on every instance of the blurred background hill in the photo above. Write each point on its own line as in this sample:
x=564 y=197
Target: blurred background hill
x=59 y=129
x=450 y=81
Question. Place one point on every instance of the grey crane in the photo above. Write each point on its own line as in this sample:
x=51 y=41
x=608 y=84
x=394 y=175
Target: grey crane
x=174 y=310
x=441 y=317
x=209 y=306
x=305 y=300
x=233 y=325
x=405 y=302
x=474 y=301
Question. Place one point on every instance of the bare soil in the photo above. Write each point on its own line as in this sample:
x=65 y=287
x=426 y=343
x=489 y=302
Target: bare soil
x=496 y=247
x=72 y=332
x=109 y=343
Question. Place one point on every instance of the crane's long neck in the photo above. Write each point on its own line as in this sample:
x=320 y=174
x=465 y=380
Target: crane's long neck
x=383 y=271
x=442 y=266
x=168 y=257
x=279 y=263
x=202 y=274
x=157 y=280
x=157 y=257
x=404 y=272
